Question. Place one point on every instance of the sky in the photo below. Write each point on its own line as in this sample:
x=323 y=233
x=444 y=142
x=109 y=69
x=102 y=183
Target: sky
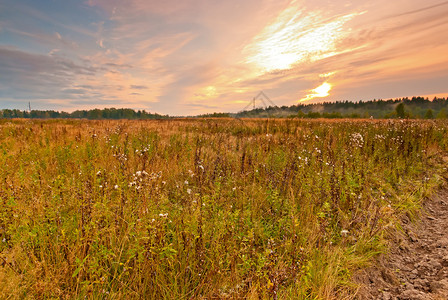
x=200 y=56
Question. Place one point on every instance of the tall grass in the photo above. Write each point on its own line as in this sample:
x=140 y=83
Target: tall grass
x=200 y=209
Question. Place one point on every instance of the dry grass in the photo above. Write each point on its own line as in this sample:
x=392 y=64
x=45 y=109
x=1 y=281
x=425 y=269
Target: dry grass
x=182 y=209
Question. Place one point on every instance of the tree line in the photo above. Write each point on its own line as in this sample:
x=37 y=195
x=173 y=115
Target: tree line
x=414 y=108
x=94 y=114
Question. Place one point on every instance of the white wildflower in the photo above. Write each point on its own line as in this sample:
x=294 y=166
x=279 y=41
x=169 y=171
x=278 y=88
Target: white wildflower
x=357 y=139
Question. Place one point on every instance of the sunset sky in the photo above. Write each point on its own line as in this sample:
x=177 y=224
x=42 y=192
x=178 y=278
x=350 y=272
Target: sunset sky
x=187 y=57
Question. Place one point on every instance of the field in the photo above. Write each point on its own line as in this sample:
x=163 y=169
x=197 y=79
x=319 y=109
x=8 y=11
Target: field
x=206 y=208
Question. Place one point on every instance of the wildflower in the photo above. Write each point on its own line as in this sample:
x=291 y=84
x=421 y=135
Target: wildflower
x=344 y=232
x=186 y=182
x=357 y=139
x=98 y=173
x=116 y=186
x=188 y=191
x=163 y=215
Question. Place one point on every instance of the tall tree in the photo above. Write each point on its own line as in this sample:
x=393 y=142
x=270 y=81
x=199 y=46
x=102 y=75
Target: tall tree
x=442 y=114
x=400 y=110
x=429 y=114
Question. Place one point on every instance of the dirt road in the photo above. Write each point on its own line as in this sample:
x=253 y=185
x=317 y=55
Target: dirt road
x=417 y=267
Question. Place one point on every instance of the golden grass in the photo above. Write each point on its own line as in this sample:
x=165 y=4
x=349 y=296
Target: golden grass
x=204 y=208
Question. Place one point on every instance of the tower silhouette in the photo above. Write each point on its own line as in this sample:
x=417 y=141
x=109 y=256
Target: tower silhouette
x=263 y=99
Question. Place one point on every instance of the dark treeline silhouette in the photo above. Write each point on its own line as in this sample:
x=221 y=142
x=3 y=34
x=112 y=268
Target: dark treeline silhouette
x=215 y=115
x=415 y=107
x=94 y=114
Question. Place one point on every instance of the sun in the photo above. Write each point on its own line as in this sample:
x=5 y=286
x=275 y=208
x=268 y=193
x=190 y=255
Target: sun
x=321 y=91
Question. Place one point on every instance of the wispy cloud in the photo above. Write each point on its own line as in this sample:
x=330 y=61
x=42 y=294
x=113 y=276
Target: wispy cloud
x=138 y=87
x=419 y=10
x=296 y=37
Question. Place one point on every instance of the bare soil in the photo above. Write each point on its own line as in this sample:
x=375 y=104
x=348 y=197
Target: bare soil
x=417 y=266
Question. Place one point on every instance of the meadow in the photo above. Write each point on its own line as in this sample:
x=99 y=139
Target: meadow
x=206 y=208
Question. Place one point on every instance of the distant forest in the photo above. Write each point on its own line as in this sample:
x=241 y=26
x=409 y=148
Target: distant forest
x=94 y=114
x=405 y=108
x=412 y=108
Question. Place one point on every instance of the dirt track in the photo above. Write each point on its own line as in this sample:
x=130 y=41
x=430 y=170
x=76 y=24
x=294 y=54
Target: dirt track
x=417 y=267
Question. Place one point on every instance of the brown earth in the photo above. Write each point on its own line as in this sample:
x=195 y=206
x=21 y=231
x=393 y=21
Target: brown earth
x=417 y=265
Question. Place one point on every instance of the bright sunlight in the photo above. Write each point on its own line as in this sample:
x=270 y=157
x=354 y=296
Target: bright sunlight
x=294 y=37
x=321 y=91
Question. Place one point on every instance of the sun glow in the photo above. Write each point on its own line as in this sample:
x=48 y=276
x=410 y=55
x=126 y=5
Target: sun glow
x=206 y=92
x=294 y=37
x=321 y=91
